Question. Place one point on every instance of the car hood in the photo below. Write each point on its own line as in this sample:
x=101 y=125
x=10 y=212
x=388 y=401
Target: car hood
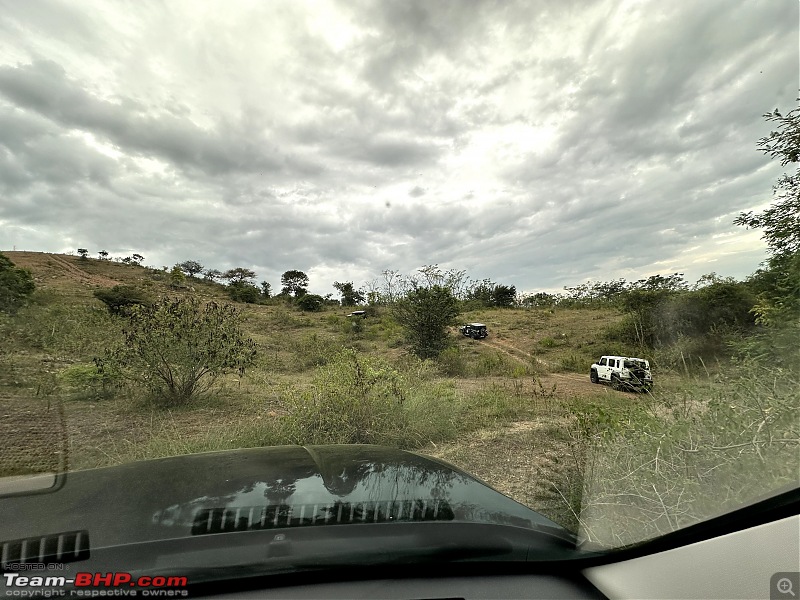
x=275 y=487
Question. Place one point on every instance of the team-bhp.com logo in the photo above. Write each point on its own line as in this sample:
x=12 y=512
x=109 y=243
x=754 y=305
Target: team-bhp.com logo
x=94 y=585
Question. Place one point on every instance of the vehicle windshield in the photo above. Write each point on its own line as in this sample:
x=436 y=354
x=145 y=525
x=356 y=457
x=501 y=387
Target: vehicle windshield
x=198 y=198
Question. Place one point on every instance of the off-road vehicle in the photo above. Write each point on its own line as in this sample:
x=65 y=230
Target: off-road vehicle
x=623 y=373
x=477 y=331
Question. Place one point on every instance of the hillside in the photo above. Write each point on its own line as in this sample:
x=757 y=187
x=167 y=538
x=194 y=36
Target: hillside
x=502 y=391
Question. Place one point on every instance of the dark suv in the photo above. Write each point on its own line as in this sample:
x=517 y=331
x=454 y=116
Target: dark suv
x=476 y=331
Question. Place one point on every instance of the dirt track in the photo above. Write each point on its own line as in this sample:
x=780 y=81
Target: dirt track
x=525 y=358
x=57 y=266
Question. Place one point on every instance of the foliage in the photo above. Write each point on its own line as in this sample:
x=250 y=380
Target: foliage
x=311 y=302
x=295 y=283
x=121 y=298
x=654 y=469
x=16 y=285
x=103 y=254
x=212 y=274
x=353 y=400
x=504 y=295
x=661 y=315
x=83 y=252
x=780 y=224
x=243 y=292
x=487 y=293
x=88 y=382
x=350 y=295
x=425 y=314
x=362 y=399
x=266 y=289
x=191 y=267
x=238 y=275
x=178 y=348
x=176 y=277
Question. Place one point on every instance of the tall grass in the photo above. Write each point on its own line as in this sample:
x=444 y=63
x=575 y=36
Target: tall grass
x=657 y=465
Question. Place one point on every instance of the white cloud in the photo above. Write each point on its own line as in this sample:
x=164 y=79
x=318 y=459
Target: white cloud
x=539 y=144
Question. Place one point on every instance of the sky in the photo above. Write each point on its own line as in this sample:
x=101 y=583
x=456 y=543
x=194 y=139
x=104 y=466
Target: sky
x=536 y=143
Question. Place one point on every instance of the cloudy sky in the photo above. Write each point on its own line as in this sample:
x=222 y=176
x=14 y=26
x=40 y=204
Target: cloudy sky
x=538 y=143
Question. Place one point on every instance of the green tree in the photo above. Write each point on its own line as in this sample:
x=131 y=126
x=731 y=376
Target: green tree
x=238 y=275
x=504 y=295
x=178 y=348
x=176 y=277
x=780 y=224
x=121 y=298
x=191 y=267
x=212 y=274
x=266 y=289
x=311 y=302
x=295 y=283
x=103 y=254
x=243 y=292
x=83 y=252
x=481 y=292
x=425 y=313
x=16 y=285
x=137 y=258
x=350 y=295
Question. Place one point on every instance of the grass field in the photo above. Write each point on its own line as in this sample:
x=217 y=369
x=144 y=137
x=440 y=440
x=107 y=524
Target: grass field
x=516 y=409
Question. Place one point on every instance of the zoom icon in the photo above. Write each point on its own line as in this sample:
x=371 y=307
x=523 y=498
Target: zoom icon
x=784 y=586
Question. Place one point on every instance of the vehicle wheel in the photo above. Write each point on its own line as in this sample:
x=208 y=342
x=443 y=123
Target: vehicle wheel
x=615 y=382
x=593 y=377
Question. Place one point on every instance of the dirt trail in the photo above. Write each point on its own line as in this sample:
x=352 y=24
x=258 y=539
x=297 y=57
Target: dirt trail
x=522 y=356
x=82 y=275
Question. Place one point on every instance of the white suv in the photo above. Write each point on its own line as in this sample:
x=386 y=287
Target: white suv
x=623 y=372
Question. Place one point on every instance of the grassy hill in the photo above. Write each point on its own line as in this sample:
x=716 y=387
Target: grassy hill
x=479 y=386
x=516 y=409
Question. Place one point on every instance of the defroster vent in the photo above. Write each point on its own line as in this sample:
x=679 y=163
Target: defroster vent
x=65 y=547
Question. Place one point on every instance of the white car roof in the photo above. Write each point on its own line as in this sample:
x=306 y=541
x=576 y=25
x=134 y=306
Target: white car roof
x=477 y=325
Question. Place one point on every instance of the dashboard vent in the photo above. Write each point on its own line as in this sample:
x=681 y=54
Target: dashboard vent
x=66 y=547
x=248 y=518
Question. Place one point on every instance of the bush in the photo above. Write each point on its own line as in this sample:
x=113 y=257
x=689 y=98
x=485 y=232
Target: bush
x=311 y=303
x=121 y=298
x=425 y=314
x=451 y=362
x=178 y=348
x=89 y=382
x=16 y=286
x=313 y=351
x=353 y=400
x=241 y=291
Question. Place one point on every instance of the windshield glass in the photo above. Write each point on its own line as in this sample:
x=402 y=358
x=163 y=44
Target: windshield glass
x=199 y=199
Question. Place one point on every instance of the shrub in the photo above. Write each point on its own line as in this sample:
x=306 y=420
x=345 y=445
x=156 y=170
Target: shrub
x=313 y=351
x=451 y=362
x=353 y=400
x=311 y=303
x=89 y=381
x=121 y=298
x=241 y=291
x=178 y=348
x=425 y=314
x=16 y=285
